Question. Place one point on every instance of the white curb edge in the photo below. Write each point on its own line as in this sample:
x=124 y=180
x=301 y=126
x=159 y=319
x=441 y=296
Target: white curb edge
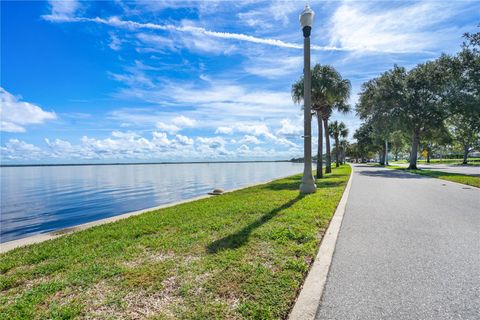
x=308 y=301
x=10 y=245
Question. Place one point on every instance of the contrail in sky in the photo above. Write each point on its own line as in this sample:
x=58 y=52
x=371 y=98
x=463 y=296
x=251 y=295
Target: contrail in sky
x=116 y=22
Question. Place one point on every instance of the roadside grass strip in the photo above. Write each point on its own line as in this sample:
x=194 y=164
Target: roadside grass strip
x=469 y=180
x=471 y=161
x=242 y=254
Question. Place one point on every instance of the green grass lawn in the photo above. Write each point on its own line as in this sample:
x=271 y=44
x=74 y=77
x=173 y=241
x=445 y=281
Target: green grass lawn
x=243 y=254
x=471 y=161
x=455 y=177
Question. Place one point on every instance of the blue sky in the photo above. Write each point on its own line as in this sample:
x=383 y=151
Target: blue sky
x=85 y=81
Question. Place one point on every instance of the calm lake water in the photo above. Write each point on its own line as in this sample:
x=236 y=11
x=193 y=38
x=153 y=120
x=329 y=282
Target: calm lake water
x=41 y=199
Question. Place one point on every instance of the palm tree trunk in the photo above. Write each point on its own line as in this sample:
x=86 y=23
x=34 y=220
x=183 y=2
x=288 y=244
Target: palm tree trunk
x=328 y=162
x=413 y=153
x=336 y=152
x=320 y=148
x=466 y=151
x=386 y=152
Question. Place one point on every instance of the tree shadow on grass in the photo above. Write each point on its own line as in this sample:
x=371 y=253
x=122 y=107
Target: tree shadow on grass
x=240 y=237
x=294 y=184
x=325 y=183
x=369 y=166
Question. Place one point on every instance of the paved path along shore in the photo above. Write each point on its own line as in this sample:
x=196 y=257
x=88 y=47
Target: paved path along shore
x=408 y=248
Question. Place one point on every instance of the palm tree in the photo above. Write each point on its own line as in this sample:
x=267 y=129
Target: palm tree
x=329 y=92
x=337 y=130
x=297 y=96
x=344 y=147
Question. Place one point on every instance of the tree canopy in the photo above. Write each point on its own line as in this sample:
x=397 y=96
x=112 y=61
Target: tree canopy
x=433 y=103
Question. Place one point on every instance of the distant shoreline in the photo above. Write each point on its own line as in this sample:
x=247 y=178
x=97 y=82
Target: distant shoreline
x=132 y=163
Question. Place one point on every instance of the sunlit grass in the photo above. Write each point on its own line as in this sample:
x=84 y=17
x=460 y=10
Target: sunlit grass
x=471 y=161
x=239 y=255
x=454 y=177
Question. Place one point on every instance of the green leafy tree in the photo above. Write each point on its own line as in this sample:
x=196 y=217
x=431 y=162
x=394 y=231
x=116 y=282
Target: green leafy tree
x=464 y=79
x=344 y=148
x=398 y=143
x=466 y=133
x=365 y=143
x=410 y=101
x=422 y=103
x=337 y=130
x=433 y=139
x=353 y=151
x=374 y=107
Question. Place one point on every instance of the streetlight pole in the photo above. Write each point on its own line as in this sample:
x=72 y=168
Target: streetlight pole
x=308 y=183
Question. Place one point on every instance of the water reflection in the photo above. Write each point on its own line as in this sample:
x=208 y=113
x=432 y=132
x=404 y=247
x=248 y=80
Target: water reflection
x=41 y=199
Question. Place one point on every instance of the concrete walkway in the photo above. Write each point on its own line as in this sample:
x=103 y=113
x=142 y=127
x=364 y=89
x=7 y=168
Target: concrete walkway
x=408 y=248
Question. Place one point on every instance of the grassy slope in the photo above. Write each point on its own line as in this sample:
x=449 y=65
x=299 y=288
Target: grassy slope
x=240 y=255
x=454 y=177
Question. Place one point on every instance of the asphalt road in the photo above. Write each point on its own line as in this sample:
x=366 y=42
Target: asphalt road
x=408 y=248
x=470 y=170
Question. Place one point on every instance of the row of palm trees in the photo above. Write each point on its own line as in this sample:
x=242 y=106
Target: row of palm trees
x=339 y=130
x=330 y=92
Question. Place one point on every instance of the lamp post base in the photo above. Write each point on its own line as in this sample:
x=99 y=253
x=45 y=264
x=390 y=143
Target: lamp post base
x=308 y=186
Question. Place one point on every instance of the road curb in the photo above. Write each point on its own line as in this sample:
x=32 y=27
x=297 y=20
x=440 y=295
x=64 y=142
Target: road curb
x=308 y=301
x=38 y=238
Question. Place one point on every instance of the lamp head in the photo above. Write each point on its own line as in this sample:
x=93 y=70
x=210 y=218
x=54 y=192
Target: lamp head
x=306 y=18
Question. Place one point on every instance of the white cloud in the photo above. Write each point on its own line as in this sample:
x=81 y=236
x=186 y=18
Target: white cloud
x=192 y=30
x=129 y=145
x=212 y=142
x=266 y=18
x=183 y=121
x=62 y=9
x=59 y=144
x=262 y=130
x=224 y=130
x=15 y=114
x=160 y=138
x=290 y=129
x=156 y=41
x=10 y=127
x=197 y=41
x=212 y=147
x=408 y=28
x=16 y=149
x=135 y=77
x=140 y=6
x=178 y=123
x=282 y=9
x=274 y=68
x=217 y=103
x=247 y=139
x=115 y=42
x=170 y=128
x=184 y=140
